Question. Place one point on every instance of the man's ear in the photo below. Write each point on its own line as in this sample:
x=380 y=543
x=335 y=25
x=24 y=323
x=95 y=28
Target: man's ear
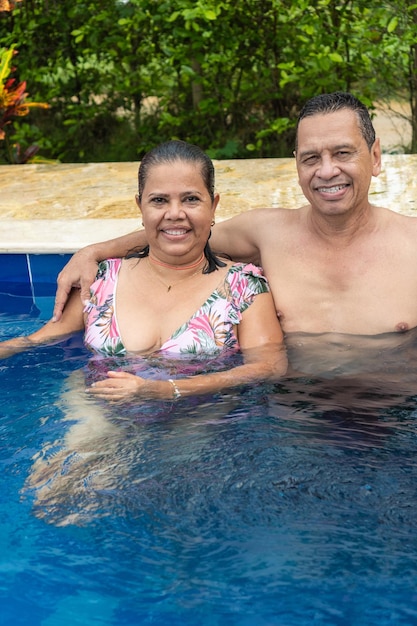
x=376 y=157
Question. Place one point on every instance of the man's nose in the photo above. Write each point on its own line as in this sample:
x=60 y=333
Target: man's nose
x=327 y=168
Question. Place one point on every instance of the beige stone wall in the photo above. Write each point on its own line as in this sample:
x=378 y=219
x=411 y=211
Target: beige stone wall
x=65 y=206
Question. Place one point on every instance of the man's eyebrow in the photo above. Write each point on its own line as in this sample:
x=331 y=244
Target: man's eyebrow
x=342 y=146
x=306 y=152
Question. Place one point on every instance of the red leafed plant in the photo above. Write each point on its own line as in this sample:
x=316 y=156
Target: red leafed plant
x=13 y=104
x=8 y=5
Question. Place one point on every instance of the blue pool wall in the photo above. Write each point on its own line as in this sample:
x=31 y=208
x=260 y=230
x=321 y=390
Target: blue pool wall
x=28 y=283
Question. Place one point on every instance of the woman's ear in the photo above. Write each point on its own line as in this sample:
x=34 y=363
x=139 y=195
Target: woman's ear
x=138 y=202
x=216 y=200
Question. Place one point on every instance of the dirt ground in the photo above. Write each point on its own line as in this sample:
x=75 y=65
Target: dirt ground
x=392 y=128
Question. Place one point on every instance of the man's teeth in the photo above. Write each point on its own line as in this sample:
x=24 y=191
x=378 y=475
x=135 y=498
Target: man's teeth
x=331 y=189
x=175 y=232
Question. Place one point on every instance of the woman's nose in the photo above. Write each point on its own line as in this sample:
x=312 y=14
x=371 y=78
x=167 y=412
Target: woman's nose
x=174 y=210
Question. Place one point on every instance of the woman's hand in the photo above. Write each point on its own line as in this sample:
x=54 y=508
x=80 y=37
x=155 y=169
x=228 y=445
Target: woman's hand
x=122 y=387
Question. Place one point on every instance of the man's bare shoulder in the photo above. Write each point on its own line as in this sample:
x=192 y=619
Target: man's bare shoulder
x=407 y=223
x=398 y=234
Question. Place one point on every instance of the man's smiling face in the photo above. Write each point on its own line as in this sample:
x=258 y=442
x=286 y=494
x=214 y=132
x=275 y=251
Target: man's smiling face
x=334 y=163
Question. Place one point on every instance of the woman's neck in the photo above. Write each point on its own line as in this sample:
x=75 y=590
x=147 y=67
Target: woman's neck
x=169 y=266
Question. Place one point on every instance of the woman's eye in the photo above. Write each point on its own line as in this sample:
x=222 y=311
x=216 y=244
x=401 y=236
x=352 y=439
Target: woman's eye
x=157 y=200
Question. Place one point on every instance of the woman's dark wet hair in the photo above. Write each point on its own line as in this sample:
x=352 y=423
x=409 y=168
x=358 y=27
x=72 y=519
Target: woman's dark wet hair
x=171 y=152
x=337 y=101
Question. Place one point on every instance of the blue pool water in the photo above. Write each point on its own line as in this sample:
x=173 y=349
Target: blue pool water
x=272 y=506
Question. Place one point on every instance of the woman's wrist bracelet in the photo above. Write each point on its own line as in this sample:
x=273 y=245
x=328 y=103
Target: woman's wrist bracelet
x=176 y=393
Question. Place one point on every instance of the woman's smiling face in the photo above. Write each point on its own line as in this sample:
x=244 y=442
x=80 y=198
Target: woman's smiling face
x=177 y=211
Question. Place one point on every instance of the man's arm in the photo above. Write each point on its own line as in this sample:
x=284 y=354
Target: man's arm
x=81 y=269
x=236 y=237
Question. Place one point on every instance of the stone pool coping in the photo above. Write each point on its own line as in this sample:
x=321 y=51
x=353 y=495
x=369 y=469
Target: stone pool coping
x=58 y=208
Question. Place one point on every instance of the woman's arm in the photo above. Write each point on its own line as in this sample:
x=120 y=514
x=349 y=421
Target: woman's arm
x=71 y=321
x=261 y=341
x=81 y=269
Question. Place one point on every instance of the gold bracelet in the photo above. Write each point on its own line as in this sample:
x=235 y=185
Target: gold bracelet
x=176 y=393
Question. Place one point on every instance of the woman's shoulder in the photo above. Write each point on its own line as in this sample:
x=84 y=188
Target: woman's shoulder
x=111 y=262
x=246 y=269
x=247 y=278
x=108 y=267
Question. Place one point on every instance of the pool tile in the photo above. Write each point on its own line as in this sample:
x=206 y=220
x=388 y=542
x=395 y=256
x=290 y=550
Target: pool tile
x=45 y=269
x=14 y=274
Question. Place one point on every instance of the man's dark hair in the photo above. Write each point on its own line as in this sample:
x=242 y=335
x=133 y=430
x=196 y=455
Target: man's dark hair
x=337 y=101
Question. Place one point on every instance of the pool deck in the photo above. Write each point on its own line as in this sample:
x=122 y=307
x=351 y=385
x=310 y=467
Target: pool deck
x=58 y=208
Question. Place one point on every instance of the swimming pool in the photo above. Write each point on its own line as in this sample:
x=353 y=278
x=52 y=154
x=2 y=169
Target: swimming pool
x=274 y=506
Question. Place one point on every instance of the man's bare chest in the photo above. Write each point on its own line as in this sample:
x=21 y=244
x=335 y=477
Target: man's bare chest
x=345 y=294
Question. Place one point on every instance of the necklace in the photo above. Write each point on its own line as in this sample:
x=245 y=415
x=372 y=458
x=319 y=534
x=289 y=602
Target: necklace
x=175 y=267
x=169 y=286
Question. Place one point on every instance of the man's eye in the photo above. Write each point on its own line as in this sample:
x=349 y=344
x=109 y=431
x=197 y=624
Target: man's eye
x=157 y=200
x=310 y=160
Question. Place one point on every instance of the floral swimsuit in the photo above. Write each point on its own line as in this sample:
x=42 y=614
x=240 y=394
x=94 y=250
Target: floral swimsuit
x=208 y=332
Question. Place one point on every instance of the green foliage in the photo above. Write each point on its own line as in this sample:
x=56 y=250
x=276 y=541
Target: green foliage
x=229 y=76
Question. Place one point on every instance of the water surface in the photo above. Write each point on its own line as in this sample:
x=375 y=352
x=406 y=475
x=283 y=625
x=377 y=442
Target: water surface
x=288 y=504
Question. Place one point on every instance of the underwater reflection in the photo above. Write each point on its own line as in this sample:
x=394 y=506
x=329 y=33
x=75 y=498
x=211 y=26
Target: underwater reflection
x=348 y=387
x=102 y=449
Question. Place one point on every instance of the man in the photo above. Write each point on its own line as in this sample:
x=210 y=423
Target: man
x=338 y=266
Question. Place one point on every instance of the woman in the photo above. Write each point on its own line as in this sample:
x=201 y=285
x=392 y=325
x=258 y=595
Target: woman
x=172 y=307
x=174 y=297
